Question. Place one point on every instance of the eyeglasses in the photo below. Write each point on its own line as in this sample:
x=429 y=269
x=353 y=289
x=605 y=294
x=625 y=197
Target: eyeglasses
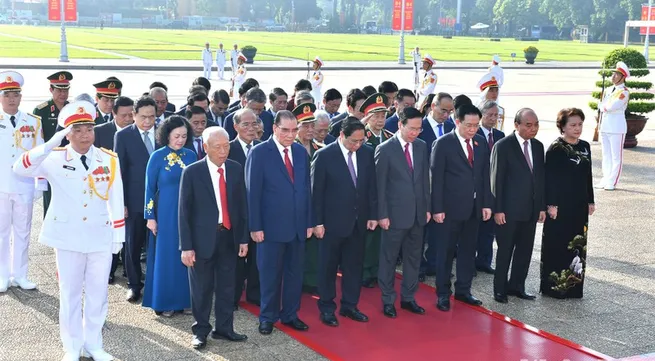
x=248 y=124
x=288 y=131
x=414 y=130
x=355 y=141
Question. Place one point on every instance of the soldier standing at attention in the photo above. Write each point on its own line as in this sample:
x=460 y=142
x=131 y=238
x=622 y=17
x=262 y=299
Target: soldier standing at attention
x=221 y=56
x=240 y=75
x=374 y=109
x=490 y=88
x=234 y=54
x=497 y=71
x=20 y=132
x=85 y=225
x=106 y=93
x=429 y=78
x=207 y=61
x=49 y=110
x=317 y=81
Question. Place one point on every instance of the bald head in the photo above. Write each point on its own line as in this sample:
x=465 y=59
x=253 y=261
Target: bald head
x=216 y=143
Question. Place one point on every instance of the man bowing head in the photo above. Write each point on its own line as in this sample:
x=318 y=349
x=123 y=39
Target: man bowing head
x=212 y=223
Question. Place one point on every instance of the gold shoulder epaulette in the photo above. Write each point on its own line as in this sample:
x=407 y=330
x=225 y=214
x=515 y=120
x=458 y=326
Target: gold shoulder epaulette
x=112 y=153
x=42 y=105
x=35 y=116
x=59 y=148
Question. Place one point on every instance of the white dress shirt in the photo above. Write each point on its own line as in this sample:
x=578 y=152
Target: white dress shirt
x=434 y=124
x=118 y=127
x=151 y=136
x=521 y=140
x=486 y=132
x=462 y=143
x=281 y=148
x=345 y=152
x=244 y=147
x=213 y=172
x=402 y=147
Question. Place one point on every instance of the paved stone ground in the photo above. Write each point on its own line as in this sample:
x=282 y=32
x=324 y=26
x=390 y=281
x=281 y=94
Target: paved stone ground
x=616 y=316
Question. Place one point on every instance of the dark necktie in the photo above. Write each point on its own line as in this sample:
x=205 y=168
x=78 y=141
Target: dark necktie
x=222 y=189
x=287 y=163
x=201 y=152
x=83 y=159
x=248 y=146
x=440 y=126
x=469 y=150
x=107 y=118
x=526 y=154
x=408 y=158
x=490 y=139
x=13 y=120
x=351 y=168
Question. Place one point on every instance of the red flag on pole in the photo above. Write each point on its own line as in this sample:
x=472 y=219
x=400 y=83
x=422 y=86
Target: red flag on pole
x=70 y=10
x=397 y=15
x=54 y=10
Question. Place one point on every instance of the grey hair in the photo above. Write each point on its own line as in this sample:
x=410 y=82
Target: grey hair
x=207 y=133
x=256 y=95
x=303 y=96
x=487 y=105
x=241 y=112
x=85 y=97
x=522 y=113
x=158 y=90
x=322 y=116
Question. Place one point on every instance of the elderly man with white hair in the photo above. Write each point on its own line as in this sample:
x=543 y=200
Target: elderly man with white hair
x=213 y=202
x=321 y=127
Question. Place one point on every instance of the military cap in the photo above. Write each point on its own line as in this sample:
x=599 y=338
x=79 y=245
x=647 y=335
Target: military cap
x=318 y=61
x=496 y=59
x=374 y=104
x=77 y=112
x=10 y=81
x=623 y=69
x=110 y=88
x=61 y=80
x=305 y=112
x=428 y=59
x=242 y=57
x=488 y=80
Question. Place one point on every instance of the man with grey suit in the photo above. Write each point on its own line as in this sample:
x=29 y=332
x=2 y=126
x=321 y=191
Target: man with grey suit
x=403 y=178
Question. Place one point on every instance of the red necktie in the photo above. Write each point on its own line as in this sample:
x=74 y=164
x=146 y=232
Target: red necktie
x=409 y=158
x=287 y=163
x=469 y=149
x=222 y=189
x=491 y=140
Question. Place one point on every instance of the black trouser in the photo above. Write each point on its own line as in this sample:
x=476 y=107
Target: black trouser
x=514 y=238
x=246 y=270
x=460 y=236
x=135 y=239
x=349 y=252
x=410 y=242
x=211 y=276
x=115 y=259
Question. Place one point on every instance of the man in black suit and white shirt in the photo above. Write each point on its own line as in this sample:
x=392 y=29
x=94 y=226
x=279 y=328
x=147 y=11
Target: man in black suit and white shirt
x=344 y=196
x=160 y=96
x=403 y=181
x=213 y=203
x=245 y=122
x=198 y=120
x=517 y=183
x=461 y=196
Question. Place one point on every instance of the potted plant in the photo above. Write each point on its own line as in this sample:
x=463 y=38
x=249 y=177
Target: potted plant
x=641 y=99
x=249 y=52
x=530 y=54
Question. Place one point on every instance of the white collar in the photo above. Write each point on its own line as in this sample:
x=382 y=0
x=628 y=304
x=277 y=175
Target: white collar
x=213 y=168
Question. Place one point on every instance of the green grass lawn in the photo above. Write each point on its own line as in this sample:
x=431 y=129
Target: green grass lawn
x=186 y=44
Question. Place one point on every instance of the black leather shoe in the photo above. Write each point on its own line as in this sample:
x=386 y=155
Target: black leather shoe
x=469 y=299
x=312 y=290
x=522 y=295
x=389 y=311
x=231 y=336
x=297 y=324
x=486 y=269
x=368 y=283
x=254 y=302
x=265 y=327
x=198 y=342
x=133 y=296
x=143 y=257
x=354 y=314
x=329 y=319
x=412 y=307
x=500 y=297
x=236 y=307
x=430 y=273
x=112 y=279
x=443 y=303
x=421 y=277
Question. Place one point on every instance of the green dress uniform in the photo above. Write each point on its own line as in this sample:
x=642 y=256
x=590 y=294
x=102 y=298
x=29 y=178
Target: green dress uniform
x=49 y=113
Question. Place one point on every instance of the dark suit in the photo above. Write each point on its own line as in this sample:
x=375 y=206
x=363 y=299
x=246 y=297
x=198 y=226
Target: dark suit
x=133 y=157
x=281 y=208
x=519 y=193
x=165 y=115
x=343 y=208
x=329 y=139
x=335 y=124
x=101 y=120
x=246 y=267
x=403 y=198
x=461 y=192
x=391 y=124
x=215 y=246
x=429 y=134
x=267 y=120
x=487 y=230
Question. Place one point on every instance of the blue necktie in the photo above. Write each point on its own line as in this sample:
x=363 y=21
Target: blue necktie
x=440 y=126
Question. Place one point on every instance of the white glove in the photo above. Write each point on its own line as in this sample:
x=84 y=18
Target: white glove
x=56 y=139
x=116 y=247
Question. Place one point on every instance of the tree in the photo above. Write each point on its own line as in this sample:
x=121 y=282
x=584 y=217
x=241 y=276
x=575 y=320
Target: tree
x=568 y=13
x=518 y=13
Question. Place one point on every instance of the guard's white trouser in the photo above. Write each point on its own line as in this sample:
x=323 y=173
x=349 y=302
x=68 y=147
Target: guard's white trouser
x=318 y=97
x=221 y=70
x=612 y=144
x=207 y=70
x=234 y=66
x=89 y=272
x=15 y=230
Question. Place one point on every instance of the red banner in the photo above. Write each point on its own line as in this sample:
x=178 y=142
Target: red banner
x=54 y=10
x=70 y=10
x=644 y=16
x=396 y=21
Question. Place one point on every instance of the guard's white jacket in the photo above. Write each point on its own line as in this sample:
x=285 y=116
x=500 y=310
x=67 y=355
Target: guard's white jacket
x=428 y=83
x=27 y=134
x=317 y=82
x=86 y=213
x=239 y=78
x=234 y=54
x=207 y=57
x=613 y=106
x=498 y=73
x=220 y=56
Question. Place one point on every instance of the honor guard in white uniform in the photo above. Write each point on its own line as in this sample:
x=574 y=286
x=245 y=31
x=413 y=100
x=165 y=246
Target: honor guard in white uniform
x=221 y=57
x=429 y=78
x=85 y=224
x=613 y=127
x=497 y=71
x=207 y=61
x=234 y=54
x=317 y=81
x=240 y=75
x=489 y=89
x=19 y=132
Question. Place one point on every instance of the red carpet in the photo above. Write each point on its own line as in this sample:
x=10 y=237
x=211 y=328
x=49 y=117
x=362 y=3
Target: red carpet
x=465 y=333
